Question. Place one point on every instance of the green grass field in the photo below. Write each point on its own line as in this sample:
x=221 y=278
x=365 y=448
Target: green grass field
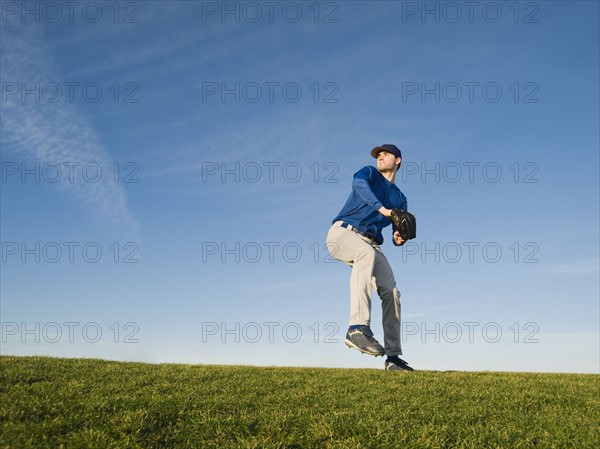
x=81 y=403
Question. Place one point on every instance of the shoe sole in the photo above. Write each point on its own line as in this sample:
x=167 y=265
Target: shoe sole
x=399 y=369
x=392 y=367
x=352 y=345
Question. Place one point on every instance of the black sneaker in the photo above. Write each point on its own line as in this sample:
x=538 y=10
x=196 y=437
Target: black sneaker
x=395 y=363
x=362 y=339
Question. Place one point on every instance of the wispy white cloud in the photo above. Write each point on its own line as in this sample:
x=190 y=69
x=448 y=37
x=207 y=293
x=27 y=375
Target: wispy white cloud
x=45 y=133
x=579 y=267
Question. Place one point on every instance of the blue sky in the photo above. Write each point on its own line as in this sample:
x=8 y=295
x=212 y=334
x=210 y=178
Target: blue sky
x=169 y=174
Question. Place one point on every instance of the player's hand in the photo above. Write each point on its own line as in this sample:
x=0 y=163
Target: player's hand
x=398 y=239
x=385 y=212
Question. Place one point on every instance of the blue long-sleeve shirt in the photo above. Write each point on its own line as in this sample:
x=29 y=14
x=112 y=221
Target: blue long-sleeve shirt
x=371 y=191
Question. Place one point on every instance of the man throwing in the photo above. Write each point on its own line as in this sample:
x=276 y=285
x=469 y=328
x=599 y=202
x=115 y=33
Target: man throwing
x=355 y=238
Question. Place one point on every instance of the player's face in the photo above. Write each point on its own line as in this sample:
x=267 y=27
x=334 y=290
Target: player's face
x=386 y=161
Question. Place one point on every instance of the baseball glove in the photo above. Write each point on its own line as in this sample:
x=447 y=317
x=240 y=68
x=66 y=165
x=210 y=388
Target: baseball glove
x=404 y=223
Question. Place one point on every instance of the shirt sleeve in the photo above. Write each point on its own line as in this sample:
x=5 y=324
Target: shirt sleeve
x=361 y=184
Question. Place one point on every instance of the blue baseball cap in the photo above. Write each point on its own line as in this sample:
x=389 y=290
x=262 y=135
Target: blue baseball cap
x=393 y=149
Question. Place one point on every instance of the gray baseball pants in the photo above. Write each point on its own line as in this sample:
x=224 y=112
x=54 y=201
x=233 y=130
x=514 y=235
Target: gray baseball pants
x=370 y=270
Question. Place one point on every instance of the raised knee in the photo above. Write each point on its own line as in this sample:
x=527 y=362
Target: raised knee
x=365 y=253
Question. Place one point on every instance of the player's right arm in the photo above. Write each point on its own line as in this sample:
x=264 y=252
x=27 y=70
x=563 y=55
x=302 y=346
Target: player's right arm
x=361 y=184
x=385 y=212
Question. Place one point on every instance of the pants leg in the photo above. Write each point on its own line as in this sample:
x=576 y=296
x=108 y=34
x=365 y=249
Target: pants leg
x=352 y=249
x=390 y=304
x=370 y=269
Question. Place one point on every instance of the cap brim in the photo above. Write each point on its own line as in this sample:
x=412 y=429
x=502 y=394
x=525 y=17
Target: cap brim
x=375 y=151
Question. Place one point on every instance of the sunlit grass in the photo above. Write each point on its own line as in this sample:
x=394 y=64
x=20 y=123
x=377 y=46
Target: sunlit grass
x=82 y=403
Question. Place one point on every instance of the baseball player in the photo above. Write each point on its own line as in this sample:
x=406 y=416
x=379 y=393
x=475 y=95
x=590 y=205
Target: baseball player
x=355 y=238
